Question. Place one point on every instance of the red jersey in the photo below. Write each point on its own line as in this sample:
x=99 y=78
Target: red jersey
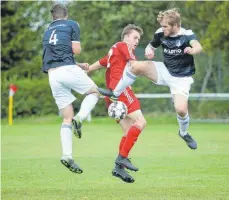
x=115 y=62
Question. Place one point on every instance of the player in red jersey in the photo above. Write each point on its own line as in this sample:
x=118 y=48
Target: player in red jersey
x=115 y=63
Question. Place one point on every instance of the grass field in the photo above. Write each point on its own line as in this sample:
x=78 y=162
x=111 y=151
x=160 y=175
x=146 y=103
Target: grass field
x=169 y=170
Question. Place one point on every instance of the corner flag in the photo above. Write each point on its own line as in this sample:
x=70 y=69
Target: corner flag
x=12 y=91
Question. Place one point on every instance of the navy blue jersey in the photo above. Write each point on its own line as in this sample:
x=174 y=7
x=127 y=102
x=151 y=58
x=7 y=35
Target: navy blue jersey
x=177 y=62
x=57 y=44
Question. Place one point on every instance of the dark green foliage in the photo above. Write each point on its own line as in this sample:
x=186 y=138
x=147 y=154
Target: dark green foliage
x=21 y=34
x=32 y=98
x=101 y=23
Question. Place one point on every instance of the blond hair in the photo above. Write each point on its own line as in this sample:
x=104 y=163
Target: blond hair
x=129 y=28
x=172 y=15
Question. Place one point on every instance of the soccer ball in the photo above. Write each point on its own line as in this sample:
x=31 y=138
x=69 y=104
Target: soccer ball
x=117 y=110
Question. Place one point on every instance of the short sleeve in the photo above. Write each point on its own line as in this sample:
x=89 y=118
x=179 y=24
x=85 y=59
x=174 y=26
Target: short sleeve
x=156 y=42
x=190 y=36
x=75 y=32
x=103 y=61
x=128 y=54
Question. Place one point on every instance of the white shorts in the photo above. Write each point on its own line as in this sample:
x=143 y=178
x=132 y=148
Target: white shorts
x=65 y=78
x=177 y=85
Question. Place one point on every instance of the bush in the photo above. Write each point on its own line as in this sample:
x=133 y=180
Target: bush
x=32 y=98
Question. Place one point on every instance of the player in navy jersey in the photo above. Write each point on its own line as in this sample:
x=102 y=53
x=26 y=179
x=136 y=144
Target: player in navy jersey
x=179 y=45
x=61 y=40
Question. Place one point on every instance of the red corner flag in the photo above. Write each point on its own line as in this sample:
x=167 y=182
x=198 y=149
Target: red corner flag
x=13 y=89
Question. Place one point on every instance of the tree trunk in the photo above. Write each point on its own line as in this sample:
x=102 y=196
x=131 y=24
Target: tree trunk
x=208 y=73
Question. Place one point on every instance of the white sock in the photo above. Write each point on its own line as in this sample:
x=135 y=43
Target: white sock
x=183 y=124
x=87 y=105
x=127 y=79
x=66 y=139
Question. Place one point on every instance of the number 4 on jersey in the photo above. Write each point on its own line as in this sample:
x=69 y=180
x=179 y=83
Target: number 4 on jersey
x=53 y=38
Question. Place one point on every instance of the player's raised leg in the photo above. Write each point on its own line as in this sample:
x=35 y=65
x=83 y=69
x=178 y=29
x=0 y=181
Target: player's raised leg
x=143 y=68
x=82 y=84
x=132 y=70
x=181 y=107
x=66 y=140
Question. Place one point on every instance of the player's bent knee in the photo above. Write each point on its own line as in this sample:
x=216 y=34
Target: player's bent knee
x=141 y=123
x=144 y=123
x=181 y=111
x=149 y=63
x=135 y=68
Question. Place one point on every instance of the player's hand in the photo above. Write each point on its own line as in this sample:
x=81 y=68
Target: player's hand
x=84 y=66
x=88 y=70
x=149 y=53
x=188 y=50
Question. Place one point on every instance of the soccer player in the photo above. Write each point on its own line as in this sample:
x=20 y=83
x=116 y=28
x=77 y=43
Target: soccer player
x=179 y=45
x=60 y=41
x=115 y=62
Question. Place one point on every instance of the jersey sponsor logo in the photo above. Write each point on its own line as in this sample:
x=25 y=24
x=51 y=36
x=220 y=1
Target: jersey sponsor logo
x=164 y=42
x=173 y=51
x=178 y=43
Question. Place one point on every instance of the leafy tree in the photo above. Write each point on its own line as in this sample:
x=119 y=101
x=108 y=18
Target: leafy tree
x=21 y=33
x=101 y=25
x=211 y=26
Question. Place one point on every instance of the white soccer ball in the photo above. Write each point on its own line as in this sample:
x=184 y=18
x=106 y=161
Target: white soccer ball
x=117 y=110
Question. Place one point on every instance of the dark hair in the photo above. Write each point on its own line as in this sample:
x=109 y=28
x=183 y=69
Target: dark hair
x=129 y=28
x=58 y=10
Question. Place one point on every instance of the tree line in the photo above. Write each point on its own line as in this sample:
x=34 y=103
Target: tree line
x=101 y=23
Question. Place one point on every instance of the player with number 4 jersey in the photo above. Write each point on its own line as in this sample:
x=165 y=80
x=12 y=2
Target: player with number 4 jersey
x=60 y=42
x=57 y=42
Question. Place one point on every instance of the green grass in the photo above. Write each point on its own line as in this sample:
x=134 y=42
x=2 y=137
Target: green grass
x=169 y=170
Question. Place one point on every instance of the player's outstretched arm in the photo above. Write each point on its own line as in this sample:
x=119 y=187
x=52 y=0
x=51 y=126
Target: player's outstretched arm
x=94 y=66
x=194 y=49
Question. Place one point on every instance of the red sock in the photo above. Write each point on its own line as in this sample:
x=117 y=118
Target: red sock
x=121 y=143
x=131 y=138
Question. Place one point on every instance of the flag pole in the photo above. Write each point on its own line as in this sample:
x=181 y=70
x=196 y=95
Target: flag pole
x=11 y=110
x=13 y=89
